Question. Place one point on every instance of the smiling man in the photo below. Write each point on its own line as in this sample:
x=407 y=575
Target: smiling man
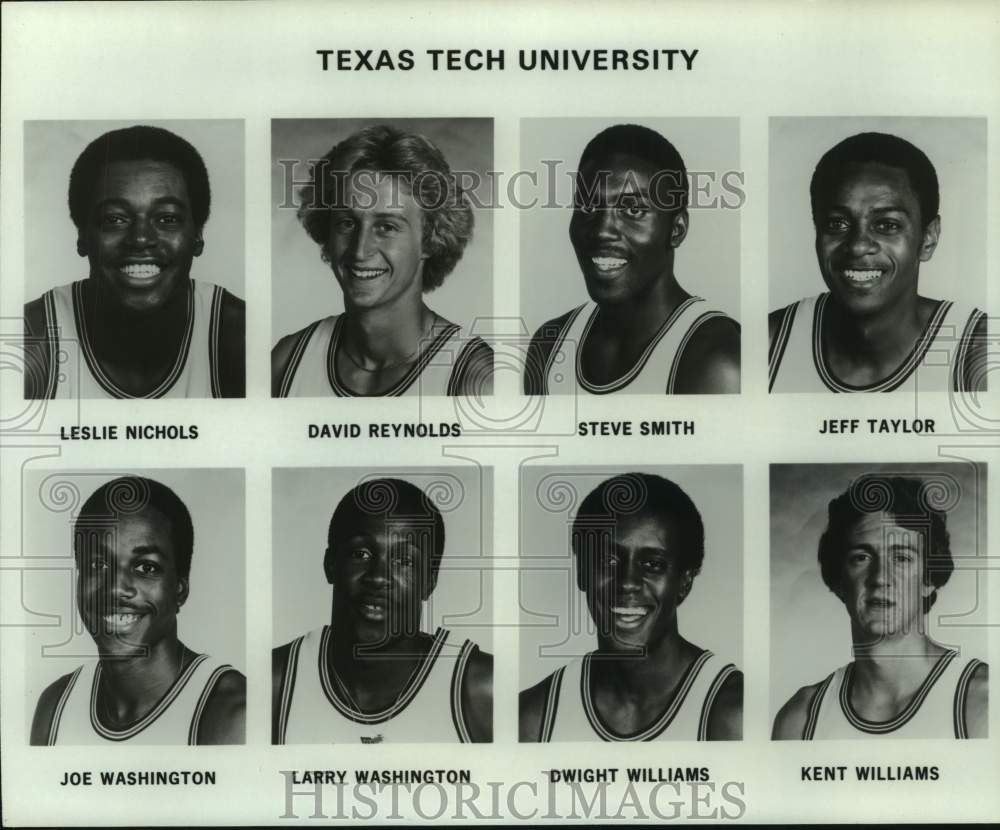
x=875 y=202
x=139 y=326
x=638 y=544
x=641 y=331
x=133 y=542
x=885 y=554
x=372 y=675
x=392 y=223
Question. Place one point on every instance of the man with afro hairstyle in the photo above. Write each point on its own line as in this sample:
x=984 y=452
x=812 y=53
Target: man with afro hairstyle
x=138 y=326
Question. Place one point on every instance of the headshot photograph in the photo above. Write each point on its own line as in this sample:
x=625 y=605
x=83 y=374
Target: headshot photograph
x=630 y=255
x=134 y=232
x=631 y=602
x=878 y=607
x=877 y=255
x=382 y=257
x=145 y=642
x=382 y=606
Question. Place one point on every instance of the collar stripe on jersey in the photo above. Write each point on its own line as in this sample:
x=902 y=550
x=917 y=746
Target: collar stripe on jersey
x=896 y=378
x=94 y=365
x=713 y=692
x=63 y=700
x=410 y=688
x=164 y=703
x=556 y=349
x=404 y=382
x=288 y=688
x=457 y=679
x=296 y=358
x=781 y=338
x=891 y=725
x=199 y=708
x=551 y=706
x=52 y=335
x=661 y=723
x=809 y=730
x=633 y=373
x=962 y=353
x=961 y=699
x=214 y=342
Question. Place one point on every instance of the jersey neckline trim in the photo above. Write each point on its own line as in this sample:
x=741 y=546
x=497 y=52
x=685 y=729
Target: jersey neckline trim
x=660 y=723
x=908 y=711
x=338 y=696
x=399 y=387
x=625 y=379
x=102 y=378
x=894 y=379
x=146 y=720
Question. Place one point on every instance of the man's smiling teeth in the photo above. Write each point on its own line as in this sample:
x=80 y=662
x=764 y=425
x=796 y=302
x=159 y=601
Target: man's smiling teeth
x=367 y=273
x=122 y=619
x=607 y=263
x=143 y=271
x=866 y=275
x=630 y=613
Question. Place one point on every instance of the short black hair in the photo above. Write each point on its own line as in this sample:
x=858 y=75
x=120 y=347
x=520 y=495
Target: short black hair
x=129 y=495
x=910 y=501
x=631 y=494
x=878 y=148
x=390 y=499
x=647 y=144
x=139 y=143
x=445 y=208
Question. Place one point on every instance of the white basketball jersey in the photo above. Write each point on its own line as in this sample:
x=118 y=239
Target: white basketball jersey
x=312 y=367
x=936 y=362
x=74 y=371
x=937 y=710
x=316 y=708
x=570 y=713
x=654 y=373
x=173 y=721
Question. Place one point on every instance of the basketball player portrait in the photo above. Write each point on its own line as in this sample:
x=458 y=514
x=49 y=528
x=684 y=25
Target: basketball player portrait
x=876 y=204
x=138 y=325
x=638 y=545
x=645 y=329
x=886 y=554
x=372 y=674
x=133 y=542
x=391 y=220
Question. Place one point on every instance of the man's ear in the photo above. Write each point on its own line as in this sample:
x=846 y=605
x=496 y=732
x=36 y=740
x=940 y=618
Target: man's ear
x=679 y=228
x=81 y=245
x=430 y=583
x=687 y=580
x=199 y=244
x=183 y=587
x=932 y=233
x=328 y=565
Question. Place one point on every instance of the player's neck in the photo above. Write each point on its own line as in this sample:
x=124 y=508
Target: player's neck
x=641 y=317
x=125 y=338
x=895 y=664
x=133 y=684
x=886 y=337
x=636 y=673
x=389 y=334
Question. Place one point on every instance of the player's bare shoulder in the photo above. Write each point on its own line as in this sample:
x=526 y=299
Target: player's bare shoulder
x=224 y=718
x=710 y=363
x=790 y=722
x=531 y=710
